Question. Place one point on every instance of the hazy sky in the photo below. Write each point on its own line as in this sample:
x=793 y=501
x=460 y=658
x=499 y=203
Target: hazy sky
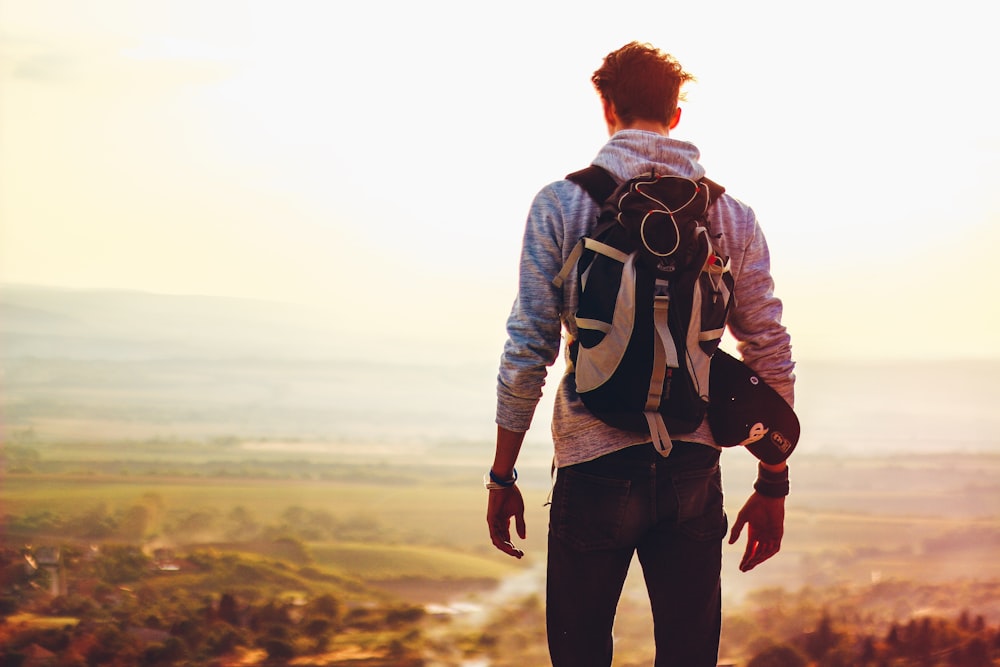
x=377 y=159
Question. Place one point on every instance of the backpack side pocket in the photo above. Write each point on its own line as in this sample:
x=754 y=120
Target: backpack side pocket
x=604 y=318
x=716 y=284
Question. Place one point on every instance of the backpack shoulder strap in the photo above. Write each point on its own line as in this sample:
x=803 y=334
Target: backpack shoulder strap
x=714 y=190
x=598 y=184
x=596 y=181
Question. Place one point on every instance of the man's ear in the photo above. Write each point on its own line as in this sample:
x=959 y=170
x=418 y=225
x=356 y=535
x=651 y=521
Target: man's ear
x=676 y=118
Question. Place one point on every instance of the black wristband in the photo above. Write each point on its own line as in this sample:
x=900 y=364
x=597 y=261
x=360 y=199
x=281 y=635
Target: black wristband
x=492 y=482
x=770 y=483
x=503 y=482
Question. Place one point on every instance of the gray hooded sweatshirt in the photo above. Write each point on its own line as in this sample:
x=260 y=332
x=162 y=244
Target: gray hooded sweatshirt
x=560 y=215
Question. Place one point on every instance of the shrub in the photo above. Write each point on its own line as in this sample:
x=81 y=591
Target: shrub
x=779 y=655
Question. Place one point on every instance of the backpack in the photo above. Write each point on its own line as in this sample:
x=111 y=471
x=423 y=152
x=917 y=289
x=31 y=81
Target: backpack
x=654 y=296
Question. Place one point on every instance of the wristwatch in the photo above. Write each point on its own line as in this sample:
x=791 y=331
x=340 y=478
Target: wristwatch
x=491 y=481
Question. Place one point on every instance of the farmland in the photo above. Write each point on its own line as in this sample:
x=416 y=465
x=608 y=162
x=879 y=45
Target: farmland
x=272 y=523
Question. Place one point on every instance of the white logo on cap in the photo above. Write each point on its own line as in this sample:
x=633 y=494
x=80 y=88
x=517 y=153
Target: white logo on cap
x=757 y=431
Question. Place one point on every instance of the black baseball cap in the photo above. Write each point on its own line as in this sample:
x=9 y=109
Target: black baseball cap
x=744 y=410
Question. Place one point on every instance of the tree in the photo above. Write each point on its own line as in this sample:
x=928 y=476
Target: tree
x=976 y=654
x=868 y=650
x=823 y=640
x=228 y=610
x=224 y=642
x=95 y=524
x=133 y=523
x=122 y=563
x=979 y=625
x=893 y=638
x=326 y=605
x=278 y=649
x=194 y=524
x=291 y=549
x=780 y=655
x=838 y=657
x=171 y=652
x=244 y=526
x=189 y=630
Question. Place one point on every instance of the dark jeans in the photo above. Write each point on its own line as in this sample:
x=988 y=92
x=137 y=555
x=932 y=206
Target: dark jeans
x=669 y=510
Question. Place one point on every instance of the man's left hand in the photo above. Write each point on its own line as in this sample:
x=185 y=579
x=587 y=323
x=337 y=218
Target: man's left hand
x=765 y=520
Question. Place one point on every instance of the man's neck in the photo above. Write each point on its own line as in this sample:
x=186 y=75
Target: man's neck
x=647 y=126
x=644 y=125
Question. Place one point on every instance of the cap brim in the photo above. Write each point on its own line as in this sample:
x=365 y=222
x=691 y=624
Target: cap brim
x=744 y=411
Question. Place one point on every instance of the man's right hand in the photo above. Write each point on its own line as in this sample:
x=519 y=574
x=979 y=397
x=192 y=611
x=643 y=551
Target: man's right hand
x=504 y=504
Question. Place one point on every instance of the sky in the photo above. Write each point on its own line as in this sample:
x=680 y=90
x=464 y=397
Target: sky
x=375 y=161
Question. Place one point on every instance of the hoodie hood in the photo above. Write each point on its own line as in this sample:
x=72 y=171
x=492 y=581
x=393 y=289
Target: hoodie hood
x=630 y=153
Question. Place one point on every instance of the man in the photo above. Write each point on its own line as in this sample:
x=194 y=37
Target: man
x=614 y=494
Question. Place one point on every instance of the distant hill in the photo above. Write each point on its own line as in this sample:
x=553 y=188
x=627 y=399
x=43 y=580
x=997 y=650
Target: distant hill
x=121 y=365
x=134 y=365
x=125 y=325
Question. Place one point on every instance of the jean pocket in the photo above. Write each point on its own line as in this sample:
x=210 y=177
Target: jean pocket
x=588 y=511
x=700 y=514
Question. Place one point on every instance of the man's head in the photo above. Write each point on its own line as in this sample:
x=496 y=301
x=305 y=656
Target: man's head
x=638 y=83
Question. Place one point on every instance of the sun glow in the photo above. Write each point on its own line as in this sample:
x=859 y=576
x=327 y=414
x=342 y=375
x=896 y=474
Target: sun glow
x=280 y=151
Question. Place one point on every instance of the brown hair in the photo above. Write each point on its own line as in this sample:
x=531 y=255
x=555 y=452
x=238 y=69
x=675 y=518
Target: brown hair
x=642 y=82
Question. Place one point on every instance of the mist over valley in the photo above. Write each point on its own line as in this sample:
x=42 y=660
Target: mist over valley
x=265 y=431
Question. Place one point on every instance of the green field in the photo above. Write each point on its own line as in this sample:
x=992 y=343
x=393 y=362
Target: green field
x=373 y=523
x=847 y=521
x=882 y=538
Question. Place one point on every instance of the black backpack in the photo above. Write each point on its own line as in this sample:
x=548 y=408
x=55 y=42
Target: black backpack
x=654 y=295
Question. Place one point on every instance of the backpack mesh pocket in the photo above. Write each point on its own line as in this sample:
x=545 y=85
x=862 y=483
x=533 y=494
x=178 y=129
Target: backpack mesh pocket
x=716 y=284
x=599 y=282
